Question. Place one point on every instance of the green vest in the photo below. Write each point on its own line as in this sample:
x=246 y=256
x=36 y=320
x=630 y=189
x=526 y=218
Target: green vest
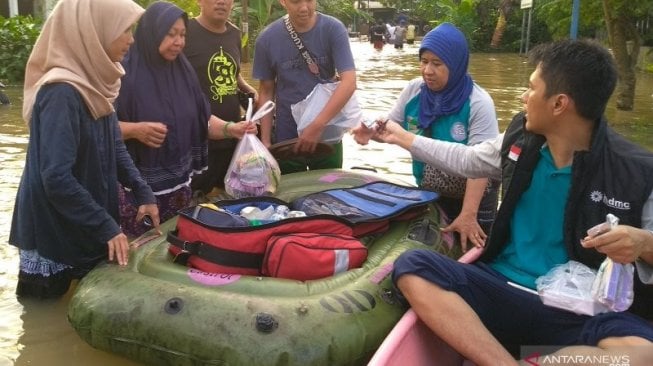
x=452 y=128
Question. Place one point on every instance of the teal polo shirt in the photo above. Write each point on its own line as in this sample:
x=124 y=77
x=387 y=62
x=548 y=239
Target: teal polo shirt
x=536 y=232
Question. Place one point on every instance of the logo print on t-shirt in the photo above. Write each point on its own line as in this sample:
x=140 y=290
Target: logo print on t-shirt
x=458 y=132
x=222 y=75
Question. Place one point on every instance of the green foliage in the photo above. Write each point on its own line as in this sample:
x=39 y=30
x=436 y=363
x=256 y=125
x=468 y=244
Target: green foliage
x=517 y=27
x=476 y=18
x=556 y=14
x=342 y=9
x=189 y=6
x=259 y=14
x=647 y=38
x=17 y=37
x=464 y=14
x=486 y=14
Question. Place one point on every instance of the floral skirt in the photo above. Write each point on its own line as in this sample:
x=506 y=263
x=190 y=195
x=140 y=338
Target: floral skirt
x=168 y=203
x=42 y=278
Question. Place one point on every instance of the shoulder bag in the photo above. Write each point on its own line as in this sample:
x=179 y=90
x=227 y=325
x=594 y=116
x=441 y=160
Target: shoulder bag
x=305 y=111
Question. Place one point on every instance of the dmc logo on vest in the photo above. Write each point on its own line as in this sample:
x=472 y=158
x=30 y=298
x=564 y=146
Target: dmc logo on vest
x=597 y=196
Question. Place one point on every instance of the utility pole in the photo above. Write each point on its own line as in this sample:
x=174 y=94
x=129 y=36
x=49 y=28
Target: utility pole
x=526 y=4
x=575 y=12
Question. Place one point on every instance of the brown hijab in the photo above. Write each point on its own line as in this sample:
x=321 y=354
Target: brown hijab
x=72 y=48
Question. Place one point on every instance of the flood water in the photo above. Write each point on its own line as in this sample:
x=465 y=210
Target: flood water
x=38 y=333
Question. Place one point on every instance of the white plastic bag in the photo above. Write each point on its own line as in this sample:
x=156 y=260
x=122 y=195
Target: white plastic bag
x=253 y=171
x=575 y=287
x=305 y=111
x=568 y=286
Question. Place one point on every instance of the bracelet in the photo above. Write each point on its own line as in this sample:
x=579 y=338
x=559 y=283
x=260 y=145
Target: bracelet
x=225 y=132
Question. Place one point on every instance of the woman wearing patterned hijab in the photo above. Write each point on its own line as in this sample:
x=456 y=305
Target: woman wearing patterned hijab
x=163 y=114
x=445 y=104
x=65 y=217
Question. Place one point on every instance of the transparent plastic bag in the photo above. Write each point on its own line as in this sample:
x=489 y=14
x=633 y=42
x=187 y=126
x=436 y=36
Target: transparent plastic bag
x=325 y=204
x=613 y=286
x=568 y=286
x=253 y=171
x=575 y=287
x=305 y=111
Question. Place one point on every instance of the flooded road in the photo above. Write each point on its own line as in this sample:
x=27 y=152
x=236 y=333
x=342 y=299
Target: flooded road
x=38 y=333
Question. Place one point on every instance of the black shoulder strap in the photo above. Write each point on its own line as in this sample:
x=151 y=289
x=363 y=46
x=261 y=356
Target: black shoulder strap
x=213 y=254
x=303 y=51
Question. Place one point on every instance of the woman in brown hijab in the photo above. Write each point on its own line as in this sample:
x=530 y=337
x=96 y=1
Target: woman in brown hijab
x=65 y=218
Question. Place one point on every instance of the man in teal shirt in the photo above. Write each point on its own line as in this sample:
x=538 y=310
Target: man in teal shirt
x=562 y=170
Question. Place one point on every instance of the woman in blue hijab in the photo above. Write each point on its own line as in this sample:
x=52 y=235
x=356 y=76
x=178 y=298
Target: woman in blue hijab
x=446 y=104
x=165 y=117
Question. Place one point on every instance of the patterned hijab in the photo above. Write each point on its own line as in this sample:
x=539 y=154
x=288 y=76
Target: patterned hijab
x=72 y=48
x=449 y=44
x=155 y=89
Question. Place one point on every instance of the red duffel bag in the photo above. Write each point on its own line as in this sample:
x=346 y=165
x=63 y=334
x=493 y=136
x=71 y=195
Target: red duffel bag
x=216 y=238
x=310 y=256
x=221 y=242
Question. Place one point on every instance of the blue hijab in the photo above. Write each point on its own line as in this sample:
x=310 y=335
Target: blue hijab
x=154 y=89
x=449 y=44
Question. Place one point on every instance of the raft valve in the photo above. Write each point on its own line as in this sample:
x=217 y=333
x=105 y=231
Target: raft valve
x=173 y=306
x=266 y=323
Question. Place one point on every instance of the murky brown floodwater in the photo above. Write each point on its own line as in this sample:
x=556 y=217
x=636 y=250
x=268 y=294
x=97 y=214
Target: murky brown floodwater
x=37 y=333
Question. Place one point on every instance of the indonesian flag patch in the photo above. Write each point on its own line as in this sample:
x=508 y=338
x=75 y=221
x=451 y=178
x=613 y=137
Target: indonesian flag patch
x=514 y=152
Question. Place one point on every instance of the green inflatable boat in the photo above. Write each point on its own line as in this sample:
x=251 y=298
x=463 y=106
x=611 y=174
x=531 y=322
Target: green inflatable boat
x=161 y=313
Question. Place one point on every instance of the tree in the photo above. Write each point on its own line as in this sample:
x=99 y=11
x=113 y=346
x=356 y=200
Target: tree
x=505 y=9
x=476 y=18
x=625 y=41
x=461 y=13
x=623 y=37
x=342 y=9
x=189 y=6
x=259 y=13
x=17 y=37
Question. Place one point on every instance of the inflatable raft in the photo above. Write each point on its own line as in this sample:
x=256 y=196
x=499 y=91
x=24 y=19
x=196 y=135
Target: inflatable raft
x=162 y=313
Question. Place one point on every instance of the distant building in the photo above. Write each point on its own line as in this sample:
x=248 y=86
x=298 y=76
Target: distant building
x=376 y=9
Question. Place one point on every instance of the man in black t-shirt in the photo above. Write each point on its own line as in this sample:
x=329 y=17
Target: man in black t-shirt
x=213 y=49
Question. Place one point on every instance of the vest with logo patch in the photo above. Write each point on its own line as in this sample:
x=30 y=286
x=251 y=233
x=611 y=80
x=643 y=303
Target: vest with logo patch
x=614 y=176
x=452 y=127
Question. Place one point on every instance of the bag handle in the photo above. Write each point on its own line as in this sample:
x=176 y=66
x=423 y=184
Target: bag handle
x=303 y=51
x=225 y=257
